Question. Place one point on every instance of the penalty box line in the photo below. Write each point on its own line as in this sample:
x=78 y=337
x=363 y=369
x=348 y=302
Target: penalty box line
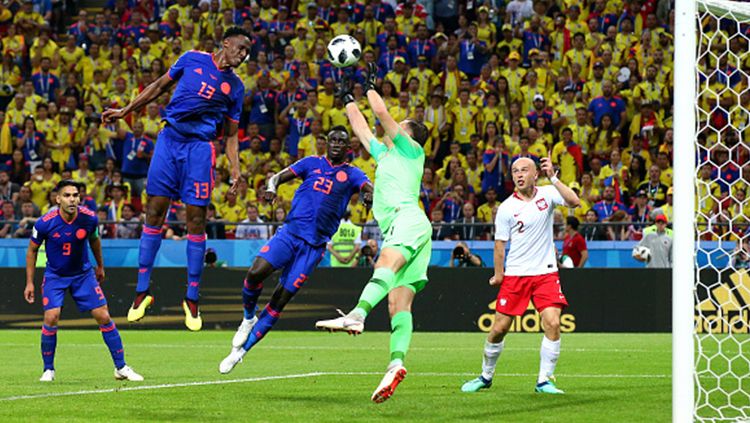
x=297 y=376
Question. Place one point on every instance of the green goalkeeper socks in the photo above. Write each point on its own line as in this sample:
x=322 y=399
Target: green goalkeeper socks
x=401 y=330
x=375 y=290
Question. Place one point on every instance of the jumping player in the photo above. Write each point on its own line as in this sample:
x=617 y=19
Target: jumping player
x=401 y=269
x=208 y=93
x=530 y=271
x=328 y=184
x=67 y=231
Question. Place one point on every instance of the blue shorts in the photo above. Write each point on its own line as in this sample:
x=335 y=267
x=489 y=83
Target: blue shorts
x=297 y=257
x=182 y=169
x=84 y=289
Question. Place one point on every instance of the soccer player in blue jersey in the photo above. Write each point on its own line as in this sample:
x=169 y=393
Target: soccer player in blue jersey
x=67 y=231
x=320 y=201
x=207 y=97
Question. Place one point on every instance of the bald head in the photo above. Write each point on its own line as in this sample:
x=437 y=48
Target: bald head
x=523 y=161
x=524 y=174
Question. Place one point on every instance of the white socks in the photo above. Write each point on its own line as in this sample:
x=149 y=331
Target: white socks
x=489 y=360
x=549 y=353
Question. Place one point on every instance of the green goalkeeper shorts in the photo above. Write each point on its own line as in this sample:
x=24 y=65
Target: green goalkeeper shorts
x=411 y=234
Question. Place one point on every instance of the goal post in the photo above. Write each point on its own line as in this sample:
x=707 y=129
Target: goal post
x=684 y=264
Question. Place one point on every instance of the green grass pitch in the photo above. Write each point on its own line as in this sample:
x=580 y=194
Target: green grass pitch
x=317 y=376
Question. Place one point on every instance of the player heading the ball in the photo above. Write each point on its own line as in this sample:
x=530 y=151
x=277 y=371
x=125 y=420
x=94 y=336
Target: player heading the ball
x=68 y=230
x=530 y=271
x=208 y=97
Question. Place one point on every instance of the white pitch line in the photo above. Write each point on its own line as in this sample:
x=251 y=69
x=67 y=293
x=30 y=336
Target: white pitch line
x=332 y=348
x=305 y=375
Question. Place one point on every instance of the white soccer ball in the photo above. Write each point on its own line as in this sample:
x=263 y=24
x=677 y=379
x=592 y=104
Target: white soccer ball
x=344 y=51
x=566 y=262
x=642 y=252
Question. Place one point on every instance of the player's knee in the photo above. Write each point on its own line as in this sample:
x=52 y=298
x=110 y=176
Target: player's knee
x=51 y=317
x=196 y=224
x=101 y=315
x=551 y=325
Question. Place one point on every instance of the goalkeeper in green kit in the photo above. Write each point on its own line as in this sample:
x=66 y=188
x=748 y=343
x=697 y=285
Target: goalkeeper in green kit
x=401 y=269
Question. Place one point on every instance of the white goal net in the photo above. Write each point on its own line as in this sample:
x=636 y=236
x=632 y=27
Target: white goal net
x=722 y=212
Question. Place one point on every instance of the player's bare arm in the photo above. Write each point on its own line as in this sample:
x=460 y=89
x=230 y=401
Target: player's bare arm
x=233 y=155
x=149 y=94
x=31 y=253
x=285 y=175
x=570 y=197
x=96 y=247
x=499 y=256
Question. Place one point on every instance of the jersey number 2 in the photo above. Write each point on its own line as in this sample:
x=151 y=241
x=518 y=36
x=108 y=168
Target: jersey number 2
x=66 y=249
x=323 y=185
x=206 y=91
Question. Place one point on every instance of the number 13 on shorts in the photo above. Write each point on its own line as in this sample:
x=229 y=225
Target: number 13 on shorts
x=201 y=190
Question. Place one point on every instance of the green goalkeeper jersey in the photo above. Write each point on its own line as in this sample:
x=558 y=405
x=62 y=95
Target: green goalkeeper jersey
x=398 y=178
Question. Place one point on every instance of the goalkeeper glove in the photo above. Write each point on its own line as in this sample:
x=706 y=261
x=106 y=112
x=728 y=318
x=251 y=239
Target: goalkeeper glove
x=344 y=90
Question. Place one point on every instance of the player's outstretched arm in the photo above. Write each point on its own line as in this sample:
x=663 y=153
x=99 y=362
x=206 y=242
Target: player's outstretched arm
x=233 y=154
x=96 y=247
x=358 y=122
x=149 y=94
x=570 y=197
x=285 y=175
x=391 y=127
x=31 y=253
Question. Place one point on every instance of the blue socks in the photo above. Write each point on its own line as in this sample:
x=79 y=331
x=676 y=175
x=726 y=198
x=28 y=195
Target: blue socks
x=49 y=343
x=196 y=251
x=250 y=294
x=114 y=343
x=267 y=319
x=150 y=243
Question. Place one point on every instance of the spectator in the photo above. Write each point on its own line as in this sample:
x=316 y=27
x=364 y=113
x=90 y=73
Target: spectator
x=593 y=231
x=440 y=228
x=8 y=190
x=574 y=244
x=654 y=189
x=466 y=228
x=26 y=223
x=214 y=226
x=129 y=226
x=368 y=254
x=177 y=230
x=8 y=223
x=137 y=155
x=658 y=239
x=608 y=206
x=253 y=226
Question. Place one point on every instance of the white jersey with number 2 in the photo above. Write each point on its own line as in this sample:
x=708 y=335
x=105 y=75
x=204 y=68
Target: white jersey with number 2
x=528 y=227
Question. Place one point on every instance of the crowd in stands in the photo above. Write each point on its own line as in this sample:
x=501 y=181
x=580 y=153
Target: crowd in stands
x=588 y=83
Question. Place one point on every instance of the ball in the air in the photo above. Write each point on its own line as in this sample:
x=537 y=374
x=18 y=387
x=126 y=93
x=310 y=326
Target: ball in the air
x=344 y=51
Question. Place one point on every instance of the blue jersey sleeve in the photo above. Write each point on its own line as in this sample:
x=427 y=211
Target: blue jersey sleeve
x=358 y=179
x=178 y=68
x=235 y=108
x=303 y=166
x=39 y=232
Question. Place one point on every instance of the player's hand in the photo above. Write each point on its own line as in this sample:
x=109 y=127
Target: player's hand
x=367 y=199
x=496 y=280
x=547 y=167
x=344 y=90
x=28 y=293
x=99 y=274
x=269 y=196
x=372 y=76
x=234 y=179
x=111 y=115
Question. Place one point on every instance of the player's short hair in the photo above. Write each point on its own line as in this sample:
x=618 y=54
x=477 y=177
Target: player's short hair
x=338 y=128
x=234 y=31
x=418 y=131
x=69 y=183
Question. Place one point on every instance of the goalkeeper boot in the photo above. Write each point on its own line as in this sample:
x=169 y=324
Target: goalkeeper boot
x=142 y=301
x=234 y=357
x=548 y=387
x=47 y=376
x=390 y=382
x=127 y=373
x=475 y=385
x=193 y=319
x=240 y=337
x=353 y=323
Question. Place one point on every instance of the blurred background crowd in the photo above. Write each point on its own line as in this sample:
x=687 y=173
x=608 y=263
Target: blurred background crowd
x=588 y=83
